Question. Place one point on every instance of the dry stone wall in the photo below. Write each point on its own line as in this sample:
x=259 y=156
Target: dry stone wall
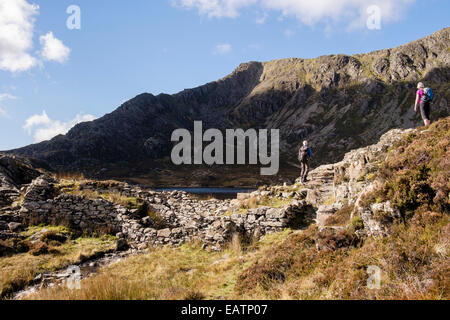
x=182 y=218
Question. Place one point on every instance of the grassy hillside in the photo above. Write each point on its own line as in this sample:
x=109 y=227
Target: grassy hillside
x=413 y=256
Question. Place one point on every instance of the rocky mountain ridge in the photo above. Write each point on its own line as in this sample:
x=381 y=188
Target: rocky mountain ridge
x=337 y=102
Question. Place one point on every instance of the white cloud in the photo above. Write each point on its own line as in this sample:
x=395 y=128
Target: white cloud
x=7 y=96
x=347 y=11
x=223 y=48
x=16 y=34
x=53 y=49
x=43 y=128
x=36 y=120
x=17 y=18
x=215 y=8
x=350 y=12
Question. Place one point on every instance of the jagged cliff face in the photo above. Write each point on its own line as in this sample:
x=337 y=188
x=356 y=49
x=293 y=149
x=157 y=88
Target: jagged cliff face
x=337 y=102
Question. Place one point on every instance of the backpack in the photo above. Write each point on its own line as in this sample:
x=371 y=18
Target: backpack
x=303 y=154
x=428 y=95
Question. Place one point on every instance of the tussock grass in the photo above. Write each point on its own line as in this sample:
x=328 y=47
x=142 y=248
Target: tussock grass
x=186 y=272
x=256 y=202
x=70 y=176
x=341 y=217
x=70 y=187
x=412 y=264
x=35 y=229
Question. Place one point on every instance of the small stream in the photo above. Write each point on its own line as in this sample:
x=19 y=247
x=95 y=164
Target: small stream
x=78 y=271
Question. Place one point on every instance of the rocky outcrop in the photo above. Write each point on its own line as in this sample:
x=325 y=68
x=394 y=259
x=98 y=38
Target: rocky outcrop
x=333 y=186
x=378 y=217
x=14 y=173
x=9 y=226
x=337 y=102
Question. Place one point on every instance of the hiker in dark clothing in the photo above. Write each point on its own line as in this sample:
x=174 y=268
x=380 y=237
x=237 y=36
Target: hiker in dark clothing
x=304 y=155
x=424 y=97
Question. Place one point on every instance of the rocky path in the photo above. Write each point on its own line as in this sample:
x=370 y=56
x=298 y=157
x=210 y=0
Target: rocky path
x=322 y=192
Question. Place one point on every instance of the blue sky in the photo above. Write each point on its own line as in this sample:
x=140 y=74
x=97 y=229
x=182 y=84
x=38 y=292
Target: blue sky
x=125 y=48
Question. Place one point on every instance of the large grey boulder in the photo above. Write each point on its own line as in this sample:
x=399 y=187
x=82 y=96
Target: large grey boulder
x=41 y=189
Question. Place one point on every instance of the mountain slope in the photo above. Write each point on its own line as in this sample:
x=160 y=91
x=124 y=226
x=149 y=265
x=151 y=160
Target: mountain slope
x=393 y=217
x=337 y=102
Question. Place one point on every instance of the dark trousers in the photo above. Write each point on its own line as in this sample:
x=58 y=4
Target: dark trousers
x=425 y=110
x=304 y=171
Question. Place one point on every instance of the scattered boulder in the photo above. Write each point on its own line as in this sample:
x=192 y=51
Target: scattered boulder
x=15 y=226
x=42 y=188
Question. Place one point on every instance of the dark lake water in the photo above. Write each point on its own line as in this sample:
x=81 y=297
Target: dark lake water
x=219 y=193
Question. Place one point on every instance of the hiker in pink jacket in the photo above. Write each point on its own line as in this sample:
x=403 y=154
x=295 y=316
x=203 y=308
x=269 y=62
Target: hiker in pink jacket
x=424 y=97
